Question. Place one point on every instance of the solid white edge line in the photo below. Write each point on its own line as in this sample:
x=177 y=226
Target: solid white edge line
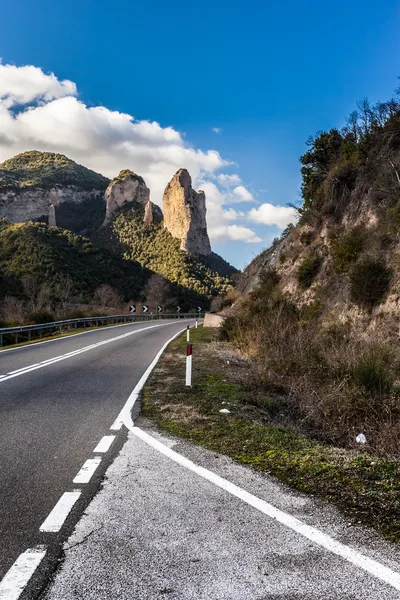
x=124 y=417
x=313 y=534
x=87 y=470
x=60 y=512
x=104 y=444
x=15 y=580
x=56 y=359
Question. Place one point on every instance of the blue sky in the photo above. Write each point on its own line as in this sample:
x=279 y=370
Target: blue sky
x=266 y=74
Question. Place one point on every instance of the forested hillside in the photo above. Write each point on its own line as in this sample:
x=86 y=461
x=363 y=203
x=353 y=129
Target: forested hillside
x=155 y=248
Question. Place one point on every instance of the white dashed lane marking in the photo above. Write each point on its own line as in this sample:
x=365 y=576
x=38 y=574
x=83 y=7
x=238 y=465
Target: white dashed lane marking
x=104 y=444
x=87 y=471
x=60 y=512
x=15 y=580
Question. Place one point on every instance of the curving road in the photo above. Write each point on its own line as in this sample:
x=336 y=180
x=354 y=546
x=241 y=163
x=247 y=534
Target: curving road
x=58 y=400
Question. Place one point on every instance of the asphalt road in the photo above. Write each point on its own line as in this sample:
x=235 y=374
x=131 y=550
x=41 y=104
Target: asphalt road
x=158 y=529
x=57 y=401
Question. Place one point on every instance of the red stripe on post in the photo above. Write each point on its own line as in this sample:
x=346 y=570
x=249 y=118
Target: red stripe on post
x=189 y=350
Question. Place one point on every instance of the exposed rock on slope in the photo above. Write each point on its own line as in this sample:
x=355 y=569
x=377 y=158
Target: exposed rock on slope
x=185 y=214
x=342 y=259
x=38 y=186
x=128 y=192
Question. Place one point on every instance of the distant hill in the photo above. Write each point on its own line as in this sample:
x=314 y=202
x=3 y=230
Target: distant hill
x=51 y=207
x=47 y=169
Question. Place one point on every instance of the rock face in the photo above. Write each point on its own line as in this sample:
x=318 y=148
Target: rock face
x=148 y=212
x=37 y=204
x=126 y=191
x=185 y=214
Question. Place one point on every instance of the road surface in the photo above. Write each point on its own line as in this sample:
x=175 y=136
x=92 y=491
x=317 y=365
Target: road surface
x=171 y=520
x=58 y=399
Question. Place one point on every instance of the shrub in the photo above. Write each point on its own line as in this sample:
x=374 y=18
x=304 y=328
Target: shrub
x=306 y=237
x=369 y=282
x=40 y=316
x=372 y=372
x=308 y=271
x=393 y=217
x=346 y=249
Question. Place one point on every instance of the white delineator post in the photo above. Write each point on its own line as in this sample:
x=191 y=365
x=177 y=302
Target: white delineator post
x=196 y=323
x=189 y=365
x=187 y=334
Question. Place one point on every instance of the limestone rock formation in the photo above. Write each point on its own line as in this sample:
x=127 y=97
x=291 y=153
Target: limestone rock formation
x=20 y=205
x=127 y=191
x=148 y=212
x=185 y=214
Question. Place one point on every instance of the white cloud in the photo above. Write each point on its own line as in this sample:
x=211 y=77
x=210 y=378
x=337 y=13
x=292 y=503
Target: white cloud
x=236 y=233
x=228 y=180
x=243 y=194
x=268 y=214
x=40 y=112
x=21 y=85
x=216 y=129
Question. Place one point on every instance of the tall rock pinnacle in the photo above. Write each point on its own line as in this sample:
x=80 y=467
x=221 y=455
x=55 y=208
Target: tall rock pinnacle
x=185 y=214
x=124 y=192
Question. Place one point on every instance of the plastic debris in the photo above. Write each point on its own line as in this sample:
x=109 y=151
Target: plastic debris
x=225 y=411
x=361 y=439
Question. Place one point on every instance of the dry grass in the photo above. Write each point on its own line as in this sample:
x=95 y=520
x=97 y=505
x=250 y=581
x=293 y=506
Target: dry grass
x=263 y=430
x=340 y=385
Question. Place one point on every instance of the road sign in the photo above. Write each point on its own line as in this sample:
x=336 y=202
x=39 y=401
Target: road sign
x=178 y=309
x=145 y=308
x=132 y=308
x=159 y=308
x=199 y=309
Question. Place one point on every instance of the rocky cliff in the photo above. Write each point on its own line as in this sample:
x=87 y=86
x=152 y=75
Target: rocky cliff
x=185 y=214
x=341 y=261
x=20 y=205
x=128 y=193
x=51 y=188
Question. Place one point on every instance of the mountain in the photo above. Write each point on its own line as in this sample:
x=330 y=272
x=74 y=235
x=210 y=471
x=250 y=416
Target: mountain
x=318 y=311
x=118 y=218
x=50 y=188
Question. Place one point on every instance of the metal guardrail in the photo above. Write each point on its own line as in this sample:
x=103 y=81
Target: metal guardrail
x=25 y=331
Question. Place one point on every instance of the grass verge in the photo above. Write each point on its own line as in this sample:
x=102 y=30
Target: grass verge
x=365 y=487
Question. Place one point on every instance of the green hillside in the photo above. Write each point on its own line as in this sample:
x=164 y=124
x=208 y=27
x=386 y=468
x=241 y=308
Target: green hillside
x=46 y=169
x=155 y=248
x=46 y=253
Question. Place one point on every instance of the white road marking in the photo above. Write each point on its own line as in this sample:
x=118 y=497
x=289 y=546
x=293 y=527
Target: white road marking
x=60 y=512
x=15 y=580
x=56 y=359
x=87 y=471
x=124 y=416
x=313 y=534
x=104 y=444
x=62 y=338
x=371 y=566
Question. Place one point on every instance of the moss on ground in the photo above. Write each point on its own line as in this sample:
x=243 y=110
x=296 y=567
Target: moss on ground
x=365 y=487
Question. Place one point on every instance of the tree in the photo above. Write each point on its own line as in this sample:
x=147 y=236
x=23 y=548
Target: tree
x=38 y=294
x=107 y=297
x=157 y=290
x=64 y=290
